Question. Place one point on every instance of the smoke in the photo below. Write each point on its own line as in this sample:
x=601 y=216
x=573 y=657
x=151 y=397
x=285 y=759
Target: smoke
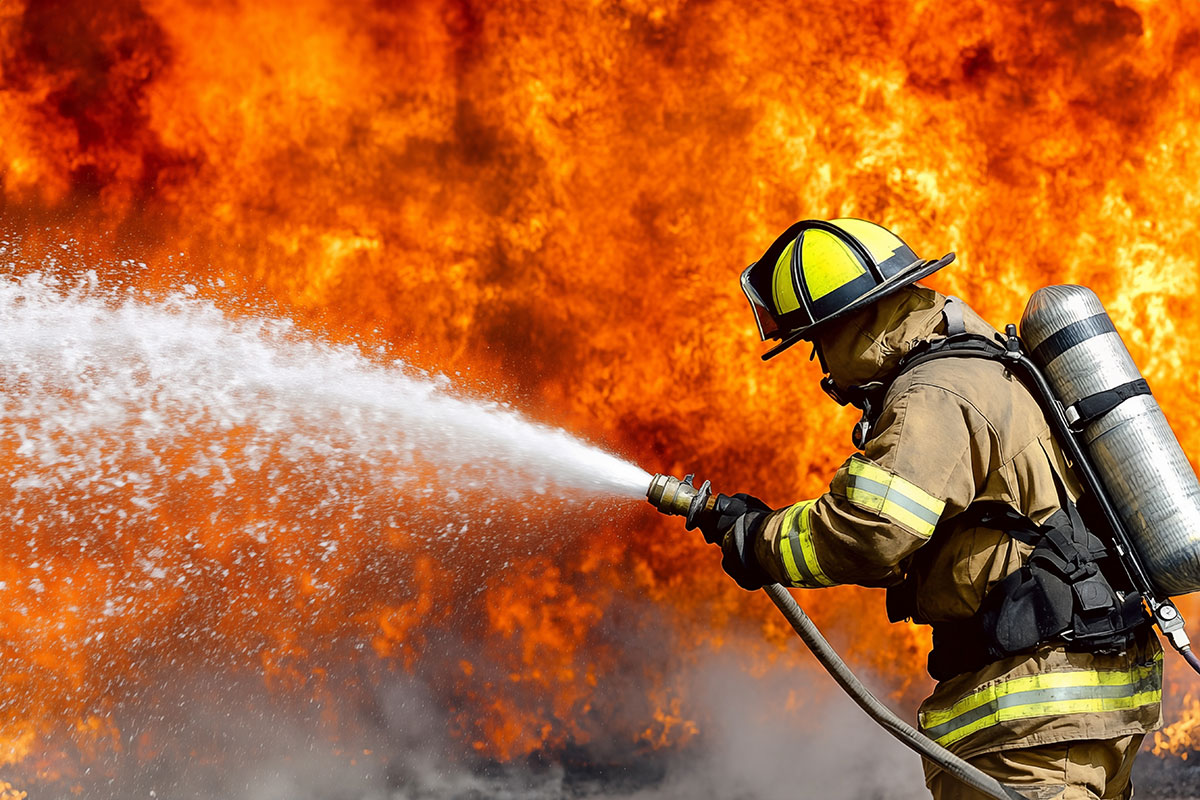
x=756 y=746
x=782 y=733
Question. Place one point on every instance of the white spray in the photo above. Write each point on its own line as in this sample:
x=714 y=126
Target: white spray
x=99 y=387
x=174 y=479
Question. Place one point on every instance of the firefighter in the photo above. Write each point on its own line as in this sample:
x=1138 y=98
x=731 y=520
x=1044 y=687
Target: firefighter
x=958 y=484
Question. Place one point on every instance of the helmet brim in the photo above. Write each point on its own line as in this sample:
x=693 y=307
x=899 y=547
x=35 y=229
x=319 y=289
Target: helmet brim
x=908 y=275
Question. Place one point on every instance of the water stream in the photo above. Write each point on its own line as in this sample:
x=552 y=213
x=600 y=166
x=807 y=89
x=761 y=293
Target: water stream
x=188 y=497
x=119 y=409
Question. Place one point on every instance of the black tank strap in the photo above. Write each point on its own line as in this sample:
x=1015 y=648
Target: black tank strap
x=1094 y=406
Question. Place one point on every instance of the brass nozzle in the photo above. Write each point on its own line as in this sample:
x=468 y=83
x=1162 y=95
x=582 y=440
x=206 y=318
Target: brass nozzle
x=671 y=495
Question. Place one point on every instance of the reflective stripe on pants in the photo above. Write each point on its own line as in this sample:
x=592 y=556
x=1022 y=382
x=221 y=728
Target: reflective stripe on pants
x=1046 y=694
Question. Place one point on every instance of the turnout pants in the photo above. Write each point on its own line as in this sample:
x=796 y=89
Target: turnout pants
x=1071 y=770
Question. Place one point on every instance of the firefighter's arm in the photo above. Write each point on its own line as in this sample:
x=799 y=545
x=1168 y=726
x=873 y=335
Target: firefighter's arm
x=926 y=459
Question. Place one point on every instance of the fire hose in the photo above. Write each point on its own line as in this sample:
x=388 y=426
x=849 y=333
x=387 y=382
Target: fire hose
x=807 y=630
x=675 y=497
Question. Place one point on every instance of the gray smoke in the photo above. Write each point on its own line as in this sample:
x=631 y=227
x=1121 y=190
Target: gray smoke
x=787 y=733
x=756 y=748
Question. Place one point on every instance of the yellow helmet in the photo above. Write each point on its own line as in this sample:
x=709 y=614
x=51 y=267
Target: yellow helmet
x=818 y=271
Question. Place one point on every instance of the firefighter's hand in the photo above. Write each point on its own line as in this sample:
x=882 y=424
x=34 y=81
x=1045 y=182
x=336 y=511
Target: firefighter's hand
x=718 y=522
x=737 y=551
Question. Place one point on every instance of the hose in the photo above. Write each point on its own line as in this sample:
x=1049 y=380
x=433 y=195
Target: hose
x=887 y=719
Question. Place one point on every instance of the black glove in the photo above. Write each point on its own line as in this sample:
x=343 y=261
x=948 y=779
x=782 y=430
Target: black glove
x=727 y=508
x=732 y=523
x=737 y=552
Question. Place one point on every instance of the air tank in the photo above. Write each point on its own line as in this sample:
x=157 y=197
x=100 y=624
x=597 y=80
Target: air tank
x=1135 y=453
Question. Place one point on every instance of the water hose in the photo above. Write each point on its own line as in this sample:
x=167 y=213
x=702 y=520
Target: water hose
x=679 y=497
x=909 y=736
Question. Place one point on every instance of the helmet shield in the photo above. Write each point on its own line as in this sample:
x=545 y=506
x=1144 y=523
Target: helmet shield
x=768 y=328
x=761 y=280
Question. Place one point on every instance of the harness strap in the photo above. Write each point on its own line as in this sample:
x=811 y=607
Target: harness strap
x=1061 y=594
x=953 y=312
x=965 y=345
x=1001 y=517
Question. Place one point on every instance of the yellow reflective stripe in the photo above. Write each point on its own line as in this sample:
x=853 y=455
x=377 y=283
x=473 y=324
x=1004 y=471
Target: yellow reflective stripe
x=1052 y=693
x=829 y=263
x=785 y=544
x=796 y=548
x=783 y=288
x=875 y=488
x=1042 y=680
x=1057 y=708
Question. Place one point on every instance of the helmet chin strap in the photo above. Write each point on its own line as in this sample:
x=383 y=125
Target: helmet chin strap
x=866 y=398
x=847 y=396
x=819 y=354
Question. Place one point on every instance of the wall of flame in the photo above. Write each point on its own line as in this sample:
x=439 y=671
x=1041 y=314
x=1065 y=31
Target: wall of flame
x=556 y=202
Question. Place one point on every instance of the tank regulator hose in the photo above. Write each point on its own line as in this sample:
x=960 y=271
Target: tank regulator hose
x=807 y=630
x=1190 y=657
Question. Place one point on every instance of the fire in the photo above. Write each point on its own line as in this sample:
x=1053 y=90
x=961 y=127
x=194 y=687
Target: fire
x=552 y=205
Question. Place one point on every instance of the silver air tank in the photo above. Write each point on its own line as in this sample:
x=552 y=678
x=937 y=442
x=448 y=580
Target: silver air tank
x=1138 y=459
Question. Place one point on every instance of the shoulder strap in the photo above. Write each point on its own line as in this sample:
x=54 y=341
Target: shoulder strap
x=953 y=312
x=961 y=345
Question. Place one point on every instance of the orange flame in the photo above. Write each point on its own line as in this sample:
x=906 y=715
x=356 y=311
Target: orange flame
x=557 y=203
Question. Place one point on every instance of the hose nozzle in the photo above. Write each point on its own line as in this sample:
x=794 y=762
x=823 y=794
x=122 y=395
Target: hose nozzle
x=672 y=496
x=680 y=498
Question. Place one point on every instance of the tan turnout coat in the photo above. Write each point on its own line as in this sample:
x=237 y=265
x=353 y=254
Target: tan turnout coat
x=953 y=432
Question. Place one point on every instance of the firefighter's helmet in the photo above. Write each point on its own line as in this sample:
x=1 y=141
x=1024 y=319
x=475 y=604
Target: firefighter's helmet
x=818 y=271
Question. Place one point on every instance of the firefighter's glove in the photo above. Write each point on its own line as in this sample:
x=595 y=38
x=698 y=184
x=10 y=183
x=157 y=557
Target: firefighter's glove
x=719 y=521
x=737 y=551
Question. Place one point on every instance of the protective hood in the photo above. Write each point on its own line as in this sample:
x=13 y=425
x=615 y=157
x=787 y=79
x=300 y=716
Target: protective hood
x=869 y=344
